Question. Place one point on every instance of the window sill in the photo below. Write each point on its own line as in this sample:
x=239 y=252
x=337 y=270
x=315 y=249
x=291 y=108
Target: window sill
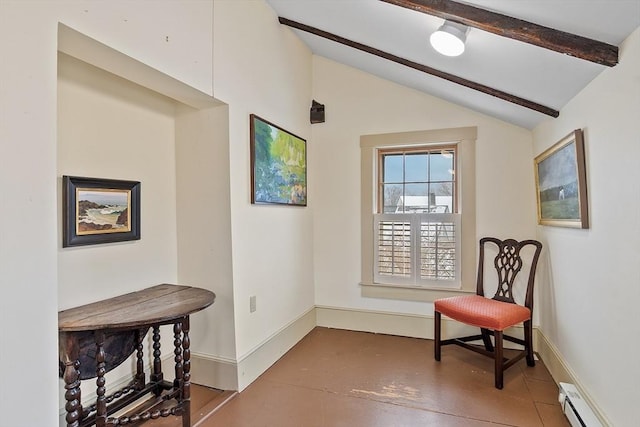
x=409 y=293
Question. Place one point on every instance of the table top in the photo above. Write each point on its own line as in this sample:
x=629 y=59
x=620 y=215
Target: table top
x=154 y=305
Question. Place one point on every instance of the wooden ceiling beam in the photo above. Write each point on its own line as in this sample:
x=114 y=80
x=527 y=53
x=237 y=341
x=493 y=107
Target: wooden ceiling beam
x=517 y=29
x=424 y=68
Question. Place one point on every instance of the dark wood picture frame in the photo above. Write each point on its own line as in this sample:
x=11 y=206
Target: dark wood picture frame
x=561 y=183
x=278 y=164
x=97 y=210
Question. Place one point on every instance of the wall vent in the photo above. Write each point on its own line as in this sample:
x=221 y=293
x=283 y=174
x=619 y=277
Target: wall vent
x=576 y=408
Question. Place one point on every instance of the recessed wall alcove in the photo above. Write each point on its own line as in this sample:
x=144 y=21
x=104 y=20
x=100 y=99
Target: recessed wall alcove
x=122 y=119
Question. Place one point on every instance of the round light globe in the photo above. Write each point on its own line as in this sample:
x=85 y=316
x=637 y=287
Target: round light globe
x=449 y=39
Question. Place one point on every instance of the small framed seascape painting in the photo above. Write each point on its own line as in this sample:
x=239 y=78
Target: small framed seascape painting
x=97 y=210
x=561 y=183
x=278 y=165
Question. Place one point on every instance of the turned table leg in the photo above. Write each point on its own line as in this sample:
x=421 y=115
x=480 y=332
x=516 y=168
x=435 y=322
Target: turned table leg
x=186 y=374
x=177 y=342
x=156 y=377
x=101 y=401
x=72 y=393
x=140 y=377
x=69 y=352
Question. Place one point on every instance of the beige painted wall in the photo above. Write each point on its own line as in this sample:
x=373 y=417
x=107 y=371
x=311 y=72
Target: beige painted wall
x=28 y=229
x=29 y=240
x=111 y=128
x=175 y=37
x=360 y=104
x=590 y=312
x=261 y=67
x=204 y=225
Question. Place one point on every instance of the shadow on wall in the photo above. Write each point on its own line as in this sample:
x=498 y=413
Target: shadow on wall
x=546 y=294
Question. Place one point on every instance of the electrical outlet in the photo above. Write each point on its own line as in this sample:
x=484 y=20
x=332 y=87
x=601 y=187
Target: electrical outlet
x=252 y=304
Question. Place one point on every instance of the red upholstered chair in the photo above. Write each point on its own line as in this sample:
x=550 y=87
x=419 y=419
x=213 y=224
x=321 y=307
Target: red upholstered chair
x=494 y=315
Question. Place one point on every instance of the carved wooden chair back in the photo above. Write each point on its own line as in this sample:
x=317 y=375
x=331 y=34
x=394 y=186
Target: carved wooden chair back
x=508 y=262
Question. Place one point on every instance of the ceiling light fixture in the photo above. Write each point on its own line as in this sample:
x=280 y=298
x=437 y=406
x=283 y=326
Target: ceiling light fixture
x=449 y=39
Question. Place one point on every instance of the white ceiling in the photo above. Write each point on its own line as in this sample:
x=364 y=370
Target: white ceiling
x=530 y=72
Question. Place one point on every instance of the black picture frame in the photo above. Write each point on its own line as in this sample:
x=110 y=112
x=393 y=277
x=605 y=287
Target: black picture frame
x=98 y=210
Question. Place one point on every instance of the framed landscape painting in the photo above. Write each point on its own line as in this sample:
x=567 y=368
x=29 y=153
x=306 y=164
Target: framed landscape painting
x=278 y=165
x=99 y=211
x=561 y=184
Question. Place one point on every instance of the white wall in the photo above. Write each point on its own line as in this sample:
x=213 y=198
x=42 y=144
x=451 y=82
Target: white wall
x=262 y=68
x=111 y=128
x=360 y=104
x=28 y=225
x=175 y=37
x=28 y=176
x=204 y=230
x=590 y=313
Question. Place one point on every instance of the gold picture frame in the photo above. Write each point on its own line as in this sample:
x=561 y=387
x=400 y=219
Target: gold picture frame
x=561 y=183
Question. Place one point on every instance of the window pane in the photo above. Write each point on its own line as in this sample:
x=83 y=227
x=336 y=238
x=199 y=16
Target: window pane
x=416 y=198
x=437 y=251
x=392 y=198
x=392 y=168
x=443 y=197
x=416 y=167
x=441 y=166
x=418 y=181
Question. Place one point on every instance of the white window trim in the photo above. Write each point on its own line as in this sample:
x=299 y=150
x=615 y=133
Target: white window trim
x=369 y=145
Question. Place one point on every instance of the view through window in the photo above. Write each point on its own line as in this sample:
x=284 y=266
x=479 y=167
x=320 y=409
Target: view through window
x=417 y=224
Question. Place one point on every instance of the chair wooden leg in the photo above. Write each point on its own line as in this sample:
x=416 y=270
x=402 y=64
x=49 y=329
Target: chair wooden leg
x=486 y=339
x=499 y=365
x=528 y=340
x=436 y=344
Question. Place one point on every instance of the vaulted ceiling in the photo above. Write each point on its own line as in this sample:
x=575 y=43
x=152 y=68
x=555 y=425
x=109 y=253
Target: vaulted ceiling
x=524 y=60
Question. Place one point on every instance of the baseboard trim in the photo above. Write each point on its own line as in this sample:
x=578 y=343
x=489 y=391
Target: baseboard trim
x=561 y=372
x=380 y=322
x=212 y=371
x=401 y=324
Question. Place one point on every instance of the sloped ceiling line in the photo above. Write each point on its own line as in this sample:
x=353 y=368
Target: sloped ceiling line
x=423 y=68
x=517 y=29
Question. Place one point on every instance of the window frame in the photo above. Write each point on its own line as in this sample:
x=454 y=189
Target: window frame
x=464 y=138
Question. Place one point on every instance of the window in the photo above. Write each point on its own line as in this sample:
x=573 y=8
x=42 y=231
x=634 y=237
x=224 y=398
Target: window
x=417 y=180
x=417 y=220
x=418 y=213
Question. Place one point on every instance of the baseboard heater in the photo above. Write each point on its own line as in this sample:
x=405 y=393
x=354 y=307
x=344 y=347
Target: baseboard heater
x=576 y=408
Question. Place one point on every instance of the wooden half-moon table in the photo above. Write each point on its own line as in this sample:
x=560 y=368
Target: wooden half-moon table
x=97 y=337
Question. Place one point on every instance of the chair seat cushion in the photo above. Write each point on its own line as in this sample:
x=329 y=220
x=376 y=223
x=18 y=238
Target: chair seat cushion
x=482 y=312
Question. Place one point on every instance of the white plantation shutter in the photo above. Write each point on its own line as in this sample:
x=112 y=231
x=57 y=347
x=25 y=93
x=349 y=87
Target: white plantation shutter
x=417 y=249
x=394 y=244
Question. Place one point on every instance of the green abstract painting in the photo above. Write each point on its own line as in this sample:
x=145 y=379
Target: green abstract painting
x=278 y=165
